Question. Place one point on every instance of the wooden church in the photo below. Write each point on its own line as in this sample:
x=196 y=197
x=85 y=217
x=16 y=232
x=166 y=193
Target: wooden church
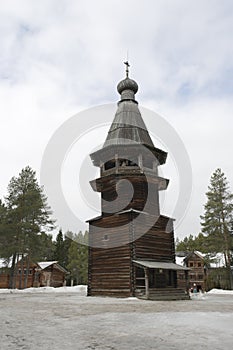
x=131 y=245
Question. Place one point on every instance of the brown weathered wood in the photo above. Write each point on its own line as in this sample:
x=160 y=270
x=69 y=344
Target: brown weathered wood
x=135 y=229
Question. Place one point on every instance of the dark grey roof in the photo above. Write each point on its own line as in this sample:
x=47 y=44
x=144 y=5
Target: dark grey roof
x=160 y=265
x=128 y=126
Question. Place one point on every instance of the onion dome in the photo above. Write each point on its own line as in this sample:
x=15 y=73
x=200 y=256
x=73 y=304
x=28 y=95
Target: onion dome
x=127 y=87
x=127 y=84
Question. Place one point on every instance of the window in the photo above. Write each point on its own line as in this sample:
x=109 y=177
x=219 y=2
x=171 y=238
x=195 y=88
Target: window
x=140 y=272
x=191 y=264
x=110 y=164
x=200 y=277
x=127 y=162
x=199 y=264
x=140 y=277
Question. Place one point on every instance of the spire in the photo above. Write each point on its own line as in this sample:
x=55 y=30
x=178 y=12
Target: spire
x=128 y=127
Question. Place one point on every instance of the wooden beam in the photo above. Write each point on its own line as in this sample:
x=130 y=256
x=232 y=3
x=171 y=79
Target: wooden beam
x=146 y=270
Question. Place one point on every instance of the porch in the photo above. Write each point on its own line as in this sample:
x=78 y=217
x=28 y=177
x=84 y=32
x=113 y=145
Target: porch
x=156 y=280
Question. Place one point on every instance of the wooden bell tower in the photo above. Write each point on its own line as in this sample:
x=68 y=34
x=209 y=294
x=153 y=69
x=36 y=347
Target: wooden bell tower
x=131 y=245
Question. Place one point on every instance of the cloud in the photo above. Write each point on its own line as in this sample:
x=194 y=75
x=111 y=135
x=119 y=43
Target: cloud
x=60 y=57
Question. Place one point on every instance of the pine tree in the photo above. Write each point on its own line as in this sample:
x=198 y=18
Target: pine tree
x=3 y=230
x=218 y=217
x=190 y=243
x=69 y=237
x=27 y=215
x=59 y=248
x=45 y=247
x=78 y=258
x=73 y=262
x=62 y=246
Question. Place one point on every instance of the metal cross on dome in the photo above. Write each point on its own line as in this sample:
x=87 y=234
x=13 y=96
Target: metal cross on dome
x=127 y=68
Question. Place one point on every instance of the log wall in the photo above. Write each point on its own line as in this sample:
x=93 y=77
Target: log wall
x=116 y=241
x=109 y=257
x=4 y=280
x=157 y=243
x=116 y=194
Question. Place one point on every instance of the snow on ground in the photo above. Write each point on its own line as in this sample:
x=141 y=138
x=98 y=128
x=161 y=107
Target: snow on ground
x=76 y=289
x=200 y=295
x=65 y=319
x=82 y=289
x=220 y=291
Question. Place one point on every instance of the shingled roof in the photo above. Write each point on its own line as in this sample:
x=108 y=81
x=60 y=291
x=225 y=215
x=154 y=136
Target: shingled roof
x=128 y=127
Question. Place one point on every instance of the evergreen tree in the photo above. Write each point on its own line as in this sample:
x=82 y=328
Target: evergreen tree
x=27 y=215
x=45 y=247
x=190 y=243
x=69 y=237
x=218 y=217
x=78 y=258
x=59 y=248
x=187 y=245
x=3 y=230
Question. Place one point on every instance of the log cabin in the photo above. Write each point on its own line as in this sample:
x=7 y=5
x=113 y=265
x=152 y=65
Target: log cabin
x=30 y=274
x=131 y=244
x=206 y=270
x=51 y=274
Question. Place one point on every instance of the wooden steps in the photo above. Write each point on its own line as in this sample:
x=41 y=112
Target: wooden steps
x=164 y=294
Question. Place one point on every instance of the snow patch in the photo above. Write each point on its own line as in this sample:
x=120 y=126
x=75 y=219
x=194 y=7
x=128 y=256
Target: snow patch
x=80 y=289
x=220 y=291
x=44 y=264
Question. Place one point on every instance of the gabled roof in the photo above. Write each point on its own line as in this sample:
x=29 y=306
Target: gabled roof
x=44 y=264
x=6 y=263
x=196 y=252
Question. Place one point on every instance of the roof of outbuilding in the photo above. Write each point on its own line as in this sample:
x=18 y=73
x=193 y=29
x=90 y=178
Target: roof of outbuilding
x=44 y=264
x=195 y=252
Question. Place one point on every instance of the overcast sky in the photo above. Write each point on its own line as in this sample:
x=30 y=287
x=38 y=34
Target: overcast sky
x=58 y=58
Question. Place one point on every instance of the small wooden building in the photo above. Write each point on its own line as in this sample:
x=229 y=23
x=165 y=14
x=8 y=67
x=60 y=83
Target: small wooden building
x=4 y=274
x=24 y=273
x=195 y=261
x=51 y=274
x=29 y=274
x=131 y=245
